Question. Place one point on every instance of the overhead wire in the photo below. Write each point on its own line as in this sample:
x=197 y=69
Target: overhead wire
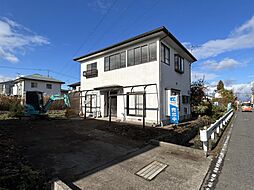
x=38 y=69
x=91 y=33
x=116 y=21
x=145 y=12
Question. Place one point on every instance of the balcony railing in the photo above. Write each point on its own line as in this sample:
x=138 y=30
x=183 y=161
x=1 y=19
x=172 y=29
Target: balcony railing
x=90 y=73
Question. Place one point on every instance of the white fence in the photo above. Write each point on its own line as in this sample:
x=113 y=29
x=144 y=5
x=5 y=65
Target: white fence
x=208 y=133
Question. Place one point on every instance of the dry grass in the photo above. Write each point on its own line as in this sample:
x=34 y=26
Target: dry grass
x=7 y=101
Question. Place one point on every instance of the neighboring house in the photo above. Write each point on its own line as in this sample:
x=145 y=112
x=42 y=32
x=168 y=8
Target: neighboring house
x=6 y=88
x=140 y=72
x=75 y=86
x=36 y=82
x=217 y=95
x=64 y=91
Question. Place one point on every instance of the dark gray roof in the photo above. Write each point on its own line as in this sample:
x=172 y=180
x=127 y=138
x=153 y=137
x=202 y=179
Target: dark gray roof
x=6 y=82
x=40 y=78
x=74 y=84
x=157 y=30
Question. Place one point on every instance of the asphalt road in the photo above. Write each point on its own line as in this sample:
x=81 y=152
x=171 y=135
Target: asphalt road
x=238 y=169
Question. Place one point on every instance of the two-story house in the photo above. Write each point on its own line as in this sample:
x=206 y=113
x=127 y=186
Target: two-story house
x=36 y=82
x=6 y=88
x=138 y=74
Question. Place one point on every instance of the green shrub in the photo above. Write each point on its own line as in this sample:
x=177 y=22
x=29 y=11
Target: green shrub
x=16 y=109
x=204 y=108
x=218 y=111
x=202 y=121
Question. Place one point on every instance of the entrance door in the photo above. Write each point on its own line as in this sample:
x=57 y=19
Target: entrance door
x=114 y=106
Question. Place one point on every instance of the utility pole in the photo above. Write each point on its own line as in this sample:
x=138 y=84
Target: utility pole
x=252 y=94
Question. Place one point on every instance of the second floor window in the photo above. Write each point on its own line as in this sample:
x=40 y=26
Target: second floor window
x=165 y=54
x=34 y=84
x=142 y=54
x=179 y=64
x=152 y=51
x=116 y=61
x=49 y=86
x=91 y=70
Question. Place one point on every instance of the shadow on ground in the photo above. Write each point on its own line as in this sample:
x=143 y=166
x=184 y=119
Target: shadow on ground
x=73 y=149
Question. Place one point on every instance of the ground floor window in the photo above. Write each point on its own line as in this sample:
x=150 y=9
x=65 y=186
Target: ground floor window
x=185 y=99
x=135 y=104
x=90 y=103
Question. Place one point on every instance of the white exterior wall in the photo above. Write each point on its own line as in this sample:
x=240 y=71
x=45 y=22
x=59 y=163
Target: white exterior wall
x=41 y=86
x=20 y=88
x=2 y=89
x=170 y=79
x=146 y=73
x=164 y=76
x=6 y=88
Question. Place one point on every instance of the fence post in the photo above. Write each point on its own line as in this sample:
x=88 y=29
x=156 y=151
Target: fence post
x=208 y=133
x=205 y=146
x=221 y=124
x=212 y=136
x=218 y=129
x=203 y=138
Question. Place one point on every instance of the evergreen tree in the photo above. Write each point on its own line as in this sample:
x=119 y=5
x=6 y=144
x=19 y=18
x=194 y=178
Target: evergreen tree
x=220 y=85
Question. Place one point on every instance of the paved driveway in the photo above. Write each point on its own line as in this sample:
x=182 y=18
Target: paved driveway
x=185 y=171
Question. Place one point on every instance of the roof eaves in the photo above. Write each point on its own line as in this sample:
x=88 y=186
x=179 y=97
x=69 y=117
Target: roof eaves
x=178 y=43
x=74 y=84
x=38 y=79
x=162 y=28
x=122 y=43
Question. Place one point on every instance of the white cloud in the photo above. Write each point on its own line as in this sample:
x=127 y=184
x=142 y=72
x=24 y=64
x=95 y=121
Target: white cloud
x=5 y=78
x=240 y=38
x=15 y=37
x=195 y=75
x=243 y=90
x=100 y=5
x=226 y=63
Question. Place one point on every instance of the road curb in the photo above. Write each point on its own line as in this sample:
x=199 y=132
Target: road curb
x=178 y=147
x=59 y=185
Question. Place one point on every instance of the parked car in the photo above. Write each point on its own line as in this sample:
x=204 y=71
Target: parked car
x=246 y=106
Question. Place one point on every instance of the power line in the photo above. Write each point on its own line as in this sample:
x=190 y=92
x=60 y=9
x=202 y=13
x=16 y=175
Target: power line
x=96 y=27
x=58 y=73
x=117 y=20
x=144 y=14
x=93 y=31
x=37 y=69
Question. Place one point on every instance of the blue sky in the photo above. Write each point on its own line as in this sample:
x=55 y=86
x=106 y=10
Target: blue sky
x=48 y=34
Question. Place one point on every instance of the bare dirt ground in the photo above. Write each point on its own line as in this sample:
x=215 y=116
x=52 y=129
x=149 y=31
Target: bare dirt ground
x=35 y=152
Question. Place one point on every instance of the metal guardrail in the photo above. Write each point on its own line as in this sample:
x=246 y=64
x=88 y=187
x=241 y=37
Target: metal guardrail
x=208 y=133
